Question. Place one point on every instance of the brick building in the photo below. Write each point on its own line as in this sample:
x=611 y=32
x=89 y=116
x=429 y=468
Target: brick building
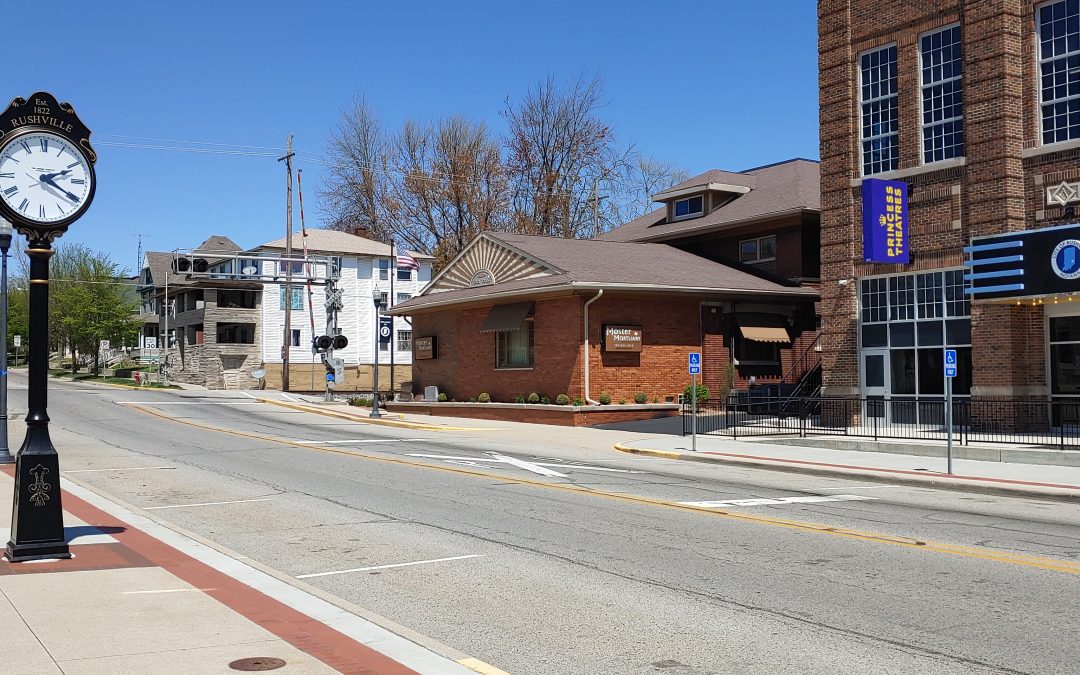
x=718 y=268
x=975 y=106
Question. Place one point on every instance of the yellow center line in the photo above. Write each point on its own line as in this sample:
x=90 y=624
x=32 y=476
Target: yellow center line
x=1022 y=559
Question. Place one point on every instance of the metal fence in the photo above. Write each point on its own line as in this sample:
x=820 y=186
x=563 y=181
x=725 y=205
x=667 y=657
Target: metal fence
x=1040 y=422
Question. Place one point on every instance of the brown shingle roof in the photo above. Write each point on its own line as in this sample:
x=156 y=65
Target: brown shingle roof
x=337 y=242
x=776 y=190
x=587 y=263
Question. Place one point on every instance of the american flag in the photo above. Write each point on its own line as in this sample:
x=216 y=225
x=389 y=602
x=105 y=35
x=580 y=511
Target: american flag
x=407 y=262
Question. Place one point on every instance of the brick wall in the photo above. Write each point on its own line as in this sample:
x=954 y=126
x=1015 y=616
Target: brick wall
x=997 y=189
x=465 y=366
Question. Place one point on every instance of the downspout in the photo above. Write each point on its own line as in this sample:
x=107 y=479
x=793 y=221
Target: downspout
x=587 y=303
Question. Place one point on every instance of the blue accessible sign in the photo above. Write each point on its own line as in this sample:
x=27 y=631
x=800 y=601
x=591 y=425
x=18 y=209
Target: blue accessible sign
x=950 y=363
x=695 y=363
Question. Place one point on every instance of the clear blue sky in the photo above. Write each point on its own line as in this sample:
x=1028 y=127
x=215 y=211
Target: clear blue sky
x=704 y=85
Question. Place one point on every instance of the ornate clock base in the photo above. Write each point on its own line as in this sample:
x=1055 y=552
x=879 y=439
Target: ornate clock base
x=38 y=521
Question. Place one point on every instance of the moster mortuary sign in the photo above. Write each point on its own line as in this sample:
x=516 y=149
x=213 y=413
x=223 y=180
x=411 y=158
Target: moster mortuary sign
x=622 y=338
x=427 y=347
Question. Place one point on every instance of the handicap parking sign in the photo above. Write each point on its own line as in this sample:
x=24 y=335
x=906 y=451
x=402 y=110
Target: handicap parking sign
x=950 y=363
x=695 y=363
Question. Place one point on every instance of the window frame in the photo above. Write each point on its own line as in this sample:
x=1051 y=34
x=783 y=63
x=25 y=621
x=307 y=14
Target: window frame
x=384 y=269
x=296 y=288
x=757 y=249
x=407 y=341
x=863 y=153
x=689 y=214
x=500 y=338
x=1039 y=62
x=923 y=86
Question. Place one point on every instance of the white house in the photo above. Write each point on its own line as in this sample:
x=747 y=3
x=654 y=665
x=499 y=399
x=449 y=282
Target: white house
x=363 y=265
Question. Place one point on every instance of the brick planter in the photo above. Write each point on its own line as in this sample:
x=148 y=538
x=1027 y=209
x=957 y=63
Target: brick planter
x=562 y=415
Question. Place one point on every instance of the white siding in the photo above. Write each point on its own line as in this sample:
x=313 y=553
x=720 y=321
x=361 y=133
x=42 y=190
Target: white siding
x=356 y=319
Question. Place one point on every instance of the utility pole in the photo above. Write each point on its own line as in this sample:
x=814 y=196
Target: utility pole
x=390 y=300
x=286 y=342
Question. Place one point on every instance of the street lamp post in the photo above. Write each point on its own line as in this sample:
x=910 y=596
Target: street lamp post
x=5 y=244
x=376 y=297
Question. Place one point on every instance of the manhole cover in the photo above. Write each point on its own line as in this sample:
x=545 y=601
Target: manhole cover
x=257 y=663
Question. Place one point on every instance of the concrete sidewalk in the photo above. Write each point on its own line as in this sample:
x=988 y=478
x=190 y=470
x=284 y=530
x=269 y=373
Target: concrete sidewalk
x=1005 y=478
x=140 y=597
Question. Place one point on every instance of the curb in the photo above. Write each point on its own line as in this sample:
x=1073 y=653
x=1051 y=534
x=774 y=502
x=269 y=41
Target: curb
x=367 y=420
x=990 y=486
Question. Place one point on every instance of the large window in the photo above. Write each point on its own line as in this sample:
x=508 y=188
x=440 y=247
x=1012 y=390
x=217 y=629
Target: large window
x=514 y=349
x=942 y=95
x=404 y=340
x=880 y=131
x=916 y=317
x=1059 y=70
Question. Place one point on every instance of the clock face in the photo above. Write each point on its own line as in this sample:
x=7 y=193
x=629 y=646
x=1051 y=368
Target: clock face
x=44 y=177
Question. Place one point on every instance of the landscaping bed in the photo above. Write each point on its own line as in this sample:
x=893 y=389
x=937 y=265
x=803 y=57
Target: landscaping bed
x=564 y=415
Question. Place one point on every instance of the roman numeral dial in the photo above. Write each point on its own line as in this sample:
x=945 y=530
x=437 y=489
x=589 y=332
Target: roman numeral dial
x=44 y=178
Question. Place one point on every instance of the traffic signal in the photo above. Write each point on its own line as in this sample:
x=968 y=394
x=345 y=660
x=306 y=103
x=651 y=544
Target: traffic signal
x=184 y=264
x=340 y=342
x=323 y=343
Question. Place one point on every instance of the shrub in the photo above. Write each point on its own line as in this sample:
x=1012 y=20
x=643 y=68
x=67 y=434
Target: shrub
x=702 y=393
x=442 y=397
x=655 y=399
x=544 y=400
x=622 y=401
x=579 y=401
x=519 y=399
x=360 y=402
x=484 y=398
x=534 y=397
x=562 y=399
x=605 y=398
x=472 y=399
x=640 y=397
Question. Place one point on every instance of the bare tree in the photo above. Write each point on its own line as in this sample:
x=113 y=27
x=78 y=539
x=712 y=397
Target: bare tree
x=641 y=178
x=559 y=157
x=355 y=190
x=451 y=185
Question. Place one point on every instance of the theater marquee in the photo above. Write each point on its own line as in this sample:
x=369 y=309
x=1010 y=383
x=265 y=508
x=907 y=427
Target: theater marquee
x=622 y=338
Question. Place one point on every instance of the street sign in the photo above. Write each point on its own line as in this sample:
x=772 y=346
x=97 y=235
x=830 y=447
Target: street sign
x=950 y=363
x=18 y=340
x=695 y=363
x=386 y=329
x=104 y=345
x=150 y=343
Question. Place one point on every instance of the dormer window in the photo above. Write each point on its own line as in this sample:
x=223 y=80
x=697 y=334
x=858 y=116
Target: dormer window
x=692 y=206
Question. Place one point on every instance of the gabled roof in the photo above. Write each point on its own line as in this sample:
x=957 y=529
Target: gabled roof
x=337 y=242
x=218 y=243
x=776 y=190
x=582 y=264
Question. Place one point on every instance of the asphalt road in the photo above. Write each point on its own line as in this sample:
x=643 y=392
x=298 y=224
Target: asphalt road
x=540 y=556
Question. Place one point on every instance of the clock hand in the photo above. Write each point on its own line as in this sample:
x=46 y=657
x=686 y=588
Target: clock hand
x=49 y=181
x=49 y=176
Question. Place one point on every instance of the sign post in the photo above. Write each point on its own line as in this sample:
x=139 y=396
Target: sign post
x=950 y=373
x=695 y=370
x=18 y=343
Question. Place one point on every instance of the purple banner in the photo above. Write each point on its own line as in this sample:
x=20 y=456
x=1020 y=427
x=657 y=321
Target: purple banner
x=885 y=221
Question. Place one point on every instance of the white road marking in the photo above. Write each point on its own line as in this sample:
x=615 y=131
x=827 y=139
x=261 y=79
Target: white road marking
x=168 y=590
x=386 y=567
x=363 y=440
x=249 y=395
x=184 y=506
x=288 y=398
x=807 y=499
x=156 y=403
x=535 y=467
x=128 y=468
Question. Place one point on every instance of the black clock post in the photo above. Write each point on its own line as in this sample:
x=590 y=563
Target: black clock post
x=37 y=519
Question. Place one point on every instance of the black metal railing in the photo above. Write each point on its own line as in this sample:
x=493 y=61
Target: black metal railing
x=1039 y=422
